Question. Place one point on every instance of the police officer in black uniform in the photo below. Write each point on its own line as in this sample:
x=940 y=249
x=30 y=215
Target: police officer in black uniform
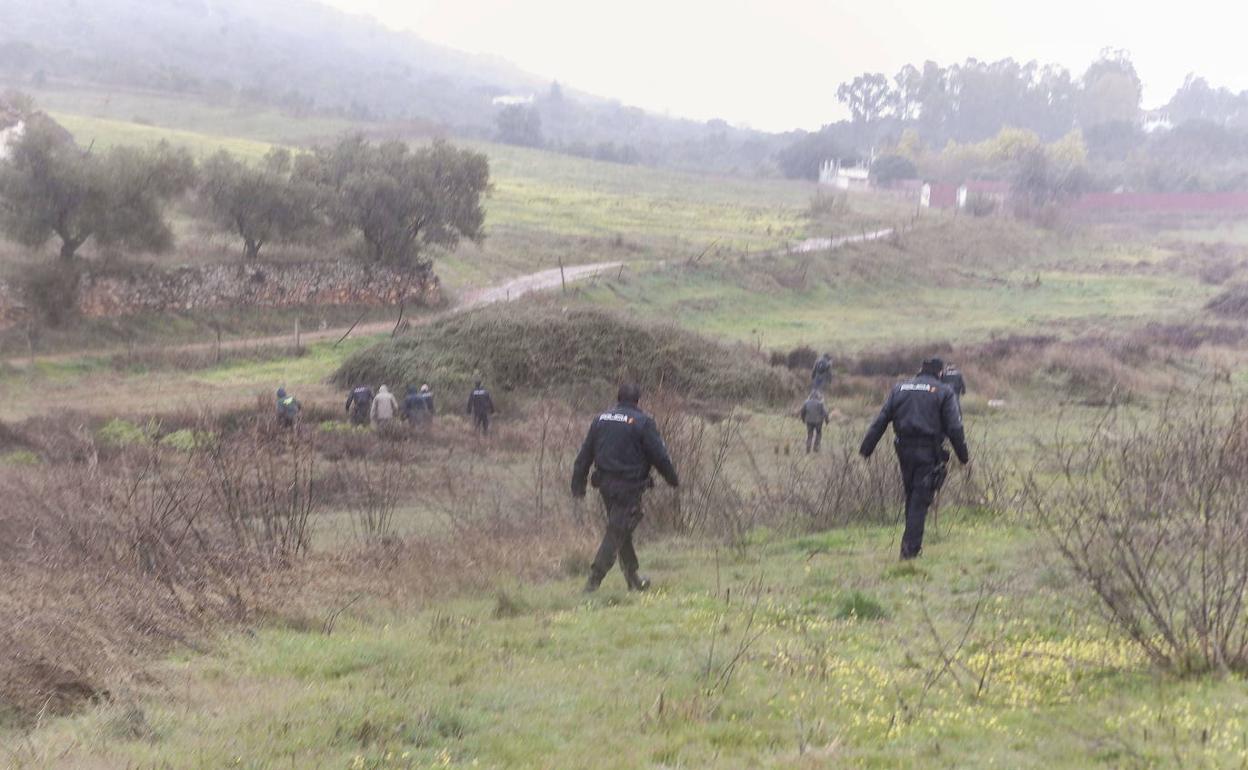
x=952 y=376
x=923 y=411
x=623 y=445
x=480 y=408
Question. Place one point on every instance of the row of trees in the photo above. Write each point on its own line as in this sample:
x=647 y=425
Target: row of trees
x=974 y=100
x=400 y=201
x=944 y=123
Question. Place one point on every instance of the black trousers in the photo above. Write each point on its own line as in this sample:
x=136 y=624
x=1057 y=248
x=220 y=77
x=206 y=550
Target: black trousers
x=623 y=515
x=918 y=473
x=481 y=422
x=814 y=435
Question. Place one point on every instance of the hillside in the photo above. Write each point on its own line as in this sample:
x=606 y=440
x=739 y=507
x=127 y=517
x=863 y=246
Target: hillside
x=306 y=58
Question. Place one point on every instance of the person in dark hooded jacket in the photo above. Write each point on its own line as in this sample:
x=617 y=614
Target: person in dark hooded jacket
x=287 y=408
x=923 y=412
x=359 y=404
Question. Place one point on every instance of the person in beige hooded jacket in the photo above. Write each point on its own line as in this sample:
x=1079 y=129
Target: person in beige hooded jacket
x=385 y=407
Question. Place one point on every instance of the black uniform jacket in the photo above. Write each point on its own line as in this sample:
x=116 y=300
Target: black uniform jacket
x=920 y=409
x=624 y=444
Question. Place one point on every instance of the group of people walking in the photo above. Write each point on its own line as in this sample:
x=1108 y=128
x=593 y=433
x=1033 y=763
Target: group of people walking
x=623 y=447
x=381 y=409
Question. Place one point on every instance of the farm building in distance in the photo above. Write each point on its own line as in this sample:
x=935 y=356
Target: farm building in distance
x=833 y=174
x=11 y=127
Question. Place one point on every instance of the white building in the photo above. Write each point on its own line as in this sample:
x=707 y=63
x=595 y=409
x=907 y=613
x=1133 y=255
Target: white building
x=833 y=174
x=9 y=135
x=511 y=100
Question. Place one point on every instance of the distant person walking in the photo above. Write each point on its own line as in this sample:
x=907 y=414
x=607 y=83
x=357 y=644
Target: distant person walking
x=923 y=412
x=410 y=405
x=288 y=408
x=622 y=446
x=384 y=408
x=952 y=376
x=814 y=413
x=359 y=402
x=425 y=401
x=821 y=374
x=481 y=408
x=418 y=405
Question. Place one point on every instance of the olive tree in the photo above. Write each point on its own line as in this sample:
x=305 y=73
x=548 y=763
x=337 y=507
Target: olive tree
x=261 y=204
x=51 y=188
x=402 y=200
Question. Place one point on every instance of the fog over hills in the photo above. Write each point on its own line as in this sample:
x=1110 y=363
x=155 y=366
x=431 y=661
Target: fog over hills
x=306 y=57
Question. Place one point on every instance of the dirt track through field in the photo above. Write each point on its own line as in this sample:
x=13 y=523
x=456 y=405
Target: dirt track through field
x=503 y=292
x=173 y=390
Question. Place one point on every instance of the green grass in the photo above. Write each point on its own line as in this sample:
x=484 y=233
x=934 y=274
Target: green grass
x=857 y=299
x=582 y=209
x=104 y=133
x=244 y=121
x=538 y=676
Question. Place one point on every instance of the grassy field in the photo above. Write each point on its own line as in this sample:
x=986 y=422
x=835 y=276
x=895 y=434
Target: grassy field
x=544 y=207
x=762 y=646
x=816 y=652
x=934 y=286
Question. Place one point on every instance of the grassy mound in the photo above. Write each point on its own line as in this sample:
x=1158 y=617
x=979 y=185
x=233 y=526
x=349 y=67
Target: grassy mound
x=539 y=348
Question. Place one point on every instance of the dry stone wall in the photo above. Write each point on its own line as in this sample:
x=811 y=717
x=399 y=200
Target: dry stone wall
x=116 y=293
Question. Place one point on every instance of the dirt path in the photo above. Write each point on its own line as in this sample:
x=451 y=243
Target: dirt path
x=829 y=244
x=503 y=292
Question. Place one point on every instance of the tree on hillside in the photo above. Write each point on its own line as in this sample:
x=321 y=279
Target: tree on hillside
x=49 y=187
x=1112 y=90
x=867 y=96
x=400 y=200
x=262 y=204
x=892 y=168
x=521 y=125
x=801 y=159
x=1197 y=100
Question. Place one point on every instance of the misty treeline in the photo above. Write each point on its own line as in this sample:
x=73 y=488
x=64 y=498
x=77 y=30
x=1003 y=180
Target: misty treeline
x=620 y=134
x=949 y=123
x=399 y=201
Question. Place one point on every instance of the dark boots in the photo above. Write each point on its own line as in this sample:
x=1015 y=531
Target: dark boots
x=635 y=582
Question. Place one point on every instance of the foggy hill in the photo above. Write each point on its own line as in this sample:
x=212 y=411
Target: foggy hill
x=305 y=57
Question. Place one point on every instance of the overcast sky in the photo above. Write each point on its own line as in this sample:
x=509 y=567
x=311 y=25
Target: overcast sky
x=775 y=64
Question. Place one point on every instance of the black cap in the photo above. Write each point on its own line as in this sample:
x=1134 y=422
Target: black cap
x=933 y=366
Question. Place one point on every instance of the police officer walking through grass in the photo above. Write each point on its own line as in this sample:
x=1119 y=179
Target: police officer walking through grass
x=821 y=373
x=923 y=412
x=952 y=376
x=623 y=445
x=481 y=408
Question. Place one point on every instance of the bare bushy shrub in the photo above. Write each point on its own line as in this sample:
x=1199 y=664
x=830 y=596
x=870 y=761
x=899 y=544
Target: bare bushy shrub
x=370 y=492
x=263 y=490
x=1151 y=516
